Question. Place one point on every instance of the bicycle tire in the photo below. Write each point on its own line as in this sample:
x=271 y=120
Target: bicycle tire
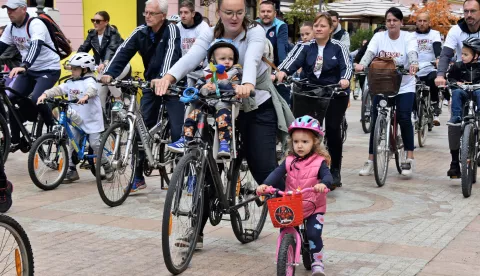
x=167 y=222
x=33 y=160
x=5 y=140
x=366 y=107
x=286 y=255
x=400 y=150
x=98 y=176
x=306 y=258
x=165 y=135
x=244 y=234
x=467 y=157
x=380 y=127
x=422 y=124
x=24 y=249
x=344 y=127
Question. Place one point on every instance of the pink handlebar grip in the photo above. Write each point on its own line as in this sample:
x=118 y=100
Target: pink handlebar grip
x=271 y=190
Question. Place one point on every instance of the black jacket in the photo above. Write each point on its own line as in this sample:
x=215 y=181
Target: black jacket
x=110 y=42
x=159 y=51
x=11 y=57
x=461 y=72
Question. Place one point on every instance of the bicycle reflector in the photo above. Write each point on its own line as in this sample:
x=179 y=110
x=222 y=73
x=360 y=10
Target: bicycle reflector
x=189 y=95
x=383 y=103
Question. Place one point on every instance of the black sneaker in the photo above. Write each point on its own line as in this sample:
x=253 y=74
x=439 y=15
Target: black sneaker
x=454 y=171
x=6 y=197
x=14 y=147
x=71 y=176
x=337 y=178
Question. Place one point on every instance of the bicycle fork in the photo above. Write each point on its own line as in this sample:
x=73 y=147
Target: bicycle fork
x=298 y=243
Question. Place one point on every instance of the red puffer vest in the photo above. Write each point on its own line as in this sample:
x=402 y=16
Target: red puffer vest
x=304 y=174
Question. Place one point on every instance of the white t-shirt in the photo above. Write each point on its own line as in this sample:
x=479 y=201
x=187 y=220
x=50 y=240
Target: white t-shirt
x=455 y=38
x=100 y=37
x=425 y=51
x=188 y=36
x=382 y=46
x=47 y=59
x=91 y=113
x=317 y=70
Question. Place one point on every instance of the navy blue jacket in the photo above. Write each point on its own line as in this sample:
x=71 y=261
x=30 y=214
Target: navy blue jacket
x=336 y=62
x=159 y=51
x=278 y=36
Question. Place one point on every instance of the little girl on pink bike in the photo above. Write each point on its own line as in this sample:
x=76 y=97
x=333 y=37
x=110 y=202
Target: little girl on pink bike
x=306 y=166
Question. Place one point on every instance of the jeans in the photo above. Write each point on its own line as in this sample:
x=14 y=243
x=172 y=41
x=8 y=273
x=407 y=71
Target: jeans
x=459 y=98
x=150 y=105
x=404 y=105
x=430 y=82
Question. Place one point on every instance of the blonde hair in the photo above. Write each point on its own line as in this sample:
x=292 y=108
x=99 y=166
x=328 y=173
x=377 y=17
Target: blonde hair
x=318 y=146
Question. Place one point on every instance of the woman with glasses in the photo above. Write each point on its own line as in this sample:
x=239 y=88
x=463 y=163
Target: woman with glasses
x=104 y=40
x=263 y=116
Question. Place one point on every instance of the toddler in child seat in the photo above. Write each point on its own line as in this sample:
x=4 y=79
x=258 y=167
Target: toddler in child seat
x=306 y=166
x=82 y=87
x=221 y=52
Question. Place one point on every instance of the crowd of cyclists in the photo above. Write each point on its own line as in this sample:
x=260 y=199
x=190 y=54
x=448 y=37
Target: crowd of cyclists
x=180 y=48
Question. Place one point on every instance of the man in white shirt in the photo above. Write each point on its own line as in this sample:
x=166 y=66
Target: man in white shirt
x=429 y=48
x=40 y=67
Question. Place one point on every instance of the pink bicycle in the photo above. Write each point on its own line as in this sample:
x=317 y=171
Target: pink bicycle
x=286 y=212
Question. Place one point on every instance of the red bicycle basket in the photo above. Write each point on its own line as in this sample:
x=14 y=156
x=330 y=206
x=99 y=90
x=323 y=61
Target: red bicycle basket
x=286 y=211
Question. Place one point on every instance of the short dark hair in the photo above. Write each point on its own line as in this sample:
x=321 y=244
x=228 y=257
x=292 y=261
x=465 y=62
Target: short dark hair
x=104 y=14
x=333 y=13
x=268 y=2
x=395 y=12
x=187 y=4
x=478 y=1
x=307 y=24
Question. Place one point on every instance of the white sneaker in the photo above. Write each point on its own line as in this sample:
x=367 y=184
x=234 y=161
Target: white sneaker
x=367 y=168
x=436 y=121
x=445 y=102
x=407 y=167
x=414 y=118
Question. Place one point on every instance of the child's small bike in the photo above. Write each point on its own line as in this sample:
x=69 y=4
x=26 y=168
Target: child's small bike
x=286 y=212
x=48 y=159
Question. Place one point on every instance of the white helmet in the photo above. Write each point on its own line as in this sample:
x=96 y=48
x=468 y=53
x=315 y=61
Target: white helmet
x=174 y=18
x=83 y=60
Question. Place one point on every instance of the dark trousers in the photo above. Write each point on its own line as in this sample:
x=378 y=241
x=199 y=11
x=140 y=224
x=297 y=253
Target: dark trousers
x=285 y=92
x=35 y=83
x=333 y=121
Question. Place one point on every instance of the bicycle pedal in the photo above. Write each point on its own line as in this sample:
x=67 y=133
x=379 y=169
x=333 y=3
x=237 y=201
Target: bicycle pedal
x=455 y=177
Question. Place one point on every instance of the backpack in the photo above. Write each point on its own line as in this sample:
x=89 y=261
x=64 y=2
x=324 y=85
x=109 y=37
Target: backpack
x=383 y=76
x=60 y=41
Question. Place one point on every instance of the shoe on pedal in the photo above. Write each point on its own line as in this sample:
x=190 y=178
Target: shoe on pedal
x=6 y=197
x=184 y=242
x=178 y=146
x=224 y=150
x=407 y=167
x=367 y=168
x=108 y=169
x=71 y=176
x=318 y=269
x=138 y=184
x=14 y=147
x=454 y=171
x=436 y=121
x=454 y=121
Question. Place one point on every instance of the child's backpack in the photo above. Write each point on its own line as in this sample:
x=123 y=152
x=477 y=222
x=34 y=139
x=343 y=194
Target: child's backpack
x=62 y=47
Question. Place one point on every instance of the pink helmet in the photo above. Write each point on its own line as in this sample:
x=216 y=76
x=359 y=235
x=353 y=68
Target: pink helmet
x=306 y=122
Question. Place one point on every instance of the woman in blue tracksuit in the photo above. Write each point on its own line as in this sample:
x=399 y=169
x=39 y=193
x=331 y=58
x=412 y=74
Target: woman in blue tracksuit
x=325 y=61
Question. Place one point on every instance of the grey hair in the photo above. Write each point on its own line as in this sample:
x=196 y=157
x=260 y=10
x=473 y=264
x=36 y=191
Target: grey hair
x=163 y=4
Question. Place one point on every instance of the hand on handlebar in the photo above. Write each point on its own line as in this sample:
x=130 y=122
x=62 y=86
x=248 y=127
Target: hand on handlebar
x=440 y=81
x=41 y=99
x=262 y=188
x=83 y=100
x=15 y=71
x=413 y=69
x=106 y=79
x=320 y=188
x=243 y=91
x=100 y=68
x=359 y=68
x=280 y=76
x=344 y=83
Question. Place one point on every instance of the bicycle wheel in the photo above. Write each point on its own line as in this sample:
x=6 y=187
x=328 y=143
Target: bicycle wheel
x=400 y=154
x=306 y=258
x=4 y=139
x=344 y=128
x=15 y=250
x=381 y=151
x=116 y=187
x=467 y=161
x=165 y=156
x=422 y=124
x=182 y=213
x=48 y=162
x=247 y=221
x=286 y=256
x=365 y=112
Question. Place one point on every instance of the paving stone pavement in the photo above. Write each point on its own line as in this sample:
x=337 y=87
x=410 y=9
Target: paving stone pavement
x=412 y=226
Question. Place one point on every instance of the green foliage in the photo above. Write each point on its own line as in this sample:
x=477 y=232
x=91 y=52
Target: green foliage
x=357 y=38
x=302 y=10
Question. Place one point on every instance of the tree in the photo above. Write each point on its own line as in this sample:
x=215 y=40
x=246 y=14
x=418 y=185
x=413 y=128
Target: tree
x=441 y=19
x=302 y=10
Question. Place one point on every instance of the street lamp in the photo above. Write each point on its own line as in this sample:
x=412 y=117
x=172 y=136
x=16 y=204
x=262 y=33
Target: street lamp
x=40 y=6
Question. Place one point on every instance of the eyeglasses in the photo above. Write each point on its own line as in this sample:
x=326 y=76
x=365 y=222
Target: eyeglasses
x=231 y=14
x=96 y=21
x=151 y=13
x=469 y=11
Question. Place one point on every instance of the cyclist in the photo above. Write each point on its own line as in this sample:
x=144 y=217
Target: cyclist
x=429 y=48
x=82 y=87
x=320 y=67
x=465 y=71
x=104 y=40
x=306 y=34
x=40 y=66
x=261 y=117
x=306 y=166
x=403 y=47
x=158 y=42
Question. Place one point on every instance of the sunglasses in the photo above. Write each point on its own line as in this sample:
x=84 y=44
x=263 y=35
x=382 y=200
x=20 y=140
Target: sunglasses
x=96 y=21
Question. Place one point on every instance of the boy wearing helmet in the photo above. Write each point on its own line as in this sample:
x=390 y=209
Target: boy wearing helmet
x=224 y=53
x=82 y=87
x=306 y=166
x=465 y=71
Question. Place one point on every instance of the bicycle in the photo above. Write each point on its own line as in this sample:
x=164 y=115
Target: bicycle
x=365 y=112
x=469 y=140
x=51 y=151
x=292 y=241
x=153 y=142
x=234 y=192
x=425 y=112
x=15 y=250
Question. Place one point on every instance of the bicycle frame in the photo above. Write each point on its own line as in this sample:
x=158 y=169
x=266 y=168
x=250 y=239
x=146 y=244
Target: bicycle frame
x=390 y=115
x=66 y=122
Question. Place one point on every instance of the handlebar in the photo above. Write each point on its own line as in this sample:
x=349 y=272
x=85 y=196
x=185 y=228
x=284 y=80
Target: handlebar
x=271 y=190
x=62 y=101
x=466 y=87
x=130 y=83
x=336 y=88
